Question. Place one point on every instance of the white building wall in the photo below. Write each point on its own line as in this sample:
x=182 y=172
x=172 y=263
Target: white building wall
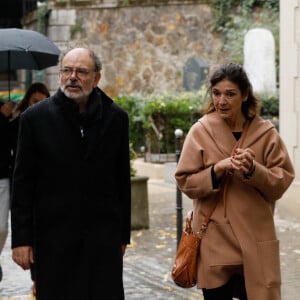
x=290 y=84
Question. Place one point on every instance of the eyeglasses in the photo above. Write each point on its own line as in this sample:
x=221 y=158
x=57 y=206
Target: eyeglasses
x=80 y=73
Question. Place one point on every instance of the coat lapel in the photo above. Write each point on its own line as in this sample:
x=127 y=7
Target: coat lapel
x=220 y=133
x=225 y=142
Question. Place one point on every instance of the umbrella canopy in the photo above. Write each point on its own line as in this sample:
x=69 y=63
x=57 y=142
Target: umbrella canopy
x=26 y=49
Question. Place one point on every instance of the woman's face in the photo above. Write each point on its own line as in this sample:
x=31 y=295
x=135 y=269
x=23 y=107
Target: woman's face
x=36 y=97
x=227 y=100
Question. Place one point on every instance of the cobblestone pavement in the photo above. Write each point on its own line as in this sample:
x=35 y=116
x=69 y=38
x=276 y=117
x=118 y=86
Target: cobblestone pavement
x=150 y=256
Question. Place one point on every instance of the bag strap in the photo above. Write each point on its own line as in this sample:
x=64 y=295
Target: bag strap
x=188 y=224
x=188 y=221
x=208 y=216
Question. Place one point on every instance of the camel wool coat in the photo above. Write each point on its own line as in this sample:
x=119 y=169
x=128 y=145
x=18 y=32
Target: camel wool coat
x=241 y=235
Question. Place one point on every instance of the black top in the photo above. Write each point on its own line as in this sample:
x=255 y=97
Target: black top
x=215 y=181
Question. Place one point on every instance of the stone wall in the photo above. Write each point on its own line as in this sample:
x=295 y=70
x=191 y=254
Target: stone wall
x=143 y=48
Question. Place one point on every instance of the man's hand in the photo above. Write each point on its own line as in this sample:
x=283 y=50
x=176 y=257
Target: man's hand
x=124 y=249
x=23 y=256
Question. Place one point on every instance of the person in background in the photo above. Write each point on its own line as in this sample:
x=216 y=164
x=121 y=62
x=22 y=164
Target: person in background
x=5 y=171
x=36 y=92
x=239 y=255
x=71 y=199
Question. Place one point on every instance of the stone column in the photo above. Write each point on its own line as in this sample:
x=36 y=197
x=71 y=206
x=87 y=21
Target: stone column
x=60 y=22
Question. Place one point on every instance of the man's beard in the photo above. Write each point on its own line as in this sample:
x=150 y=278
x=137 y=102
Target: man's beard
x=76 y=96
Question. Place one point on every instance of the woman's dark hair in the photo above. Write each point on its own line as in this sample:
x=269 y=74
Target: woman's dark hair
x=236 y=74
x=35 y=87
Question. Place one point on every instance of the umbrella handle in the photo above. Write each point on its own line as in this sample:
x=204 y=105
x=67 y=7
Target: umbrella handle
x=8 y=75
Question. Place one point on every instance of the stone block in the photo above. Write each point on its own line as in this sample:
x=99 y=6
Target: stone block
x=139 y=203
x=62 y=17
x=59 y=33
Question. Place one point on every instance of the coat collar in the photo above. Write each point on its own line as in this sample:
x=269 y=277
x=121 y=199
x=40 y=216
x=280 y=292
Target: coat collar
x=220 y=132
x=97 y=100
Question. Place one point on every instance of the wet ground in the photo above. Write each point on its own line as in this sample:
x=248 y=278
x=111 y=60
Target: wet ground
x=149 y=258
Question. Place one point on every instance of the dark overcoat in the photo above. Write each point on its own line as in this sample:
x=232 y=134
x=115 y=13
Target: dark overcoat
x=71 y=196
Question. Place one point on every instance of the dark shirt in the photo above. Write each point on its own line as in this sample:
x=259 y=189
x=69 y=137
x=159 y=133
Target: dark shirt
x=215 y=181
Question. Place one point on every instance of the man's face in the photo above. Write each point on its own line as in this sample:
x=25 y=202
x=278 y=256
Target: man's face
x=77 y=75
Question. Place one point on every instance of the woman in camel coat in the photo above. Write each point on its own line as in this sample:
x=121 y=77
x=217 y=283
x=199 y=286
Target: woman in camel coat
x=239 y=255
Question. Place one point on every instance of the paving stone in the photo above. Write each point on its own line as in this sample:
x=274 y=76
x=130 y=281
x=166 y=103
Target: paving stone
x=149 y=258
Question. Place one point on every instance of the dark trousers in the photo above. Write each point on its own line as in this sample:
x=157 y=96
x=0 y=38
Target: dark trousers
x=235 y=287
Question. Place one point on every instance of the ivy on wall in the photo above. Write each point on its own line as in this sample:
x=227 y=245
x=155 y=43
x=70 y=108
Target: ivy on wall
x=224 y=10
x=233 y=18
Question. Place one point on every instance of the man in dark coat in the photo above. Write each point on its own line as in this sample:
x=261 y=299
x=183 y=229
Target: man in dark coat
x=71 y=187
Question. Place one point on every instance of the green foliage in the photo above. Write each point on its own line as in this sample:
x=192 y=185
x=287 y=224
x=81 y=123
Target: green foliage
x=133 y=156
x=269 y=105
x=154 y=118
x=225 y=11
x=42 y=17
x=76 y=28
x=125 y=2
x=133 y=105
x=234 y=18
x=163 y=113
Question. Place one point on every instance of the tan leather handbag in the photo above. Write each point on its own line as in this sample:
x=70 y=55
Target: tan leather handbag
x=185 y=266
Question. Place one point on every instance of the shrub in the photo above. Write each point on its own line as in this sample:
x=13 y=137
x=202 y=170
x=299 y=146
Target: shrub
x=132 y=156
x=163 y=113
x=133 y=105
x=153 y=119
x=269 y=105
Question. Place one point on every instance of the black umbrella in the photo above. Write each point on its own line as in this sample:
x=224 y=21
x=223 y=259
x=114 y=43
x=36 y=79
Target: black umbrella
x=26 y=49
